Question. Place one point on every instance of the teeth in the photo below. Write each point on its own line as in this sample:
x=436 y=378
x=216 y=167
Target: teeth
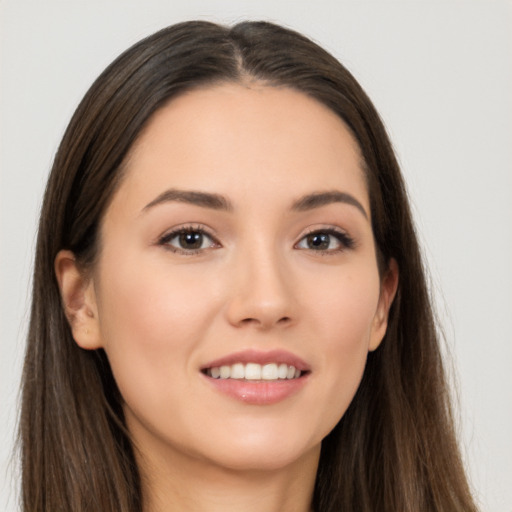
x=254 y=371
x=225 y=372
x=269 y=372
x=282 y=371
x=237 y=371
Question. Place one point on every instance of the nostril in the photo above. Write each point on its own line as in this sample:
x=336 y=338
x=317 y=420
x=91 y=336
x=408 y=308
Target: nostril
x=249 y=321
x=281 y=321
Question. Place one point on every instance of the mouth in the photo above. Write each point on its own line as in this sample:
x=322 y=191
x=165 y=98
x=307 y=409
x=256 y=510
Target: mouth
x=254 y=372
x=258 y=378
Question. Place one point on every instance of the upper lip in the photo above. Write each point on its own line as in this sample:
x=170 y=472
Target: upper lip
x=259 y=357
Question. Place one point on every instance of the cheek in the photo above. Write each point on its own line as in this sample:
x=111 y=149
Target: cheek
x=151 y=324
x=151 y=302
x=345 y=311
x=344 y=320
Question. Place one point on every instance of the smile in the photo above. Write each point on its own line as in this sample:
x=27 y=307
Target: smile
x=258 y=377
x=254 y=372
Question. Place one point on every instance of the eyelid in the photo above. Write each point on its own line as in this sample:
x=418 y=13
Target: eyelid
x=345 y=240
x=171 y=233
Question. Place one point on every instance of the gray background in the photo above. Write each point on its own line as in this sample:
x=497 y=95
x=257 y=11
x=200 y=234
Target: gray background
x=440 y=73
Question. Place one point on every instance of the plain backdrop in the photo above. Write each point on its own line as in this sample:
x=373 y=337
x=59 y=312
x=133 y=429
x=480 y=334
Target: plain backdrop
x=439 y=72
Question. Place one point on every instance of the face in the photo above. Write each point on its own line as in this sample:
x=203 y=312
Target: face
x=238 y=244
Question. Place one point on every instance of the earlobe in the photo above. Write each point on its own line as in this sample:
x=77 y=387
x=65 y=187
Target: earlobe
x=388 y=290
x=78 y=301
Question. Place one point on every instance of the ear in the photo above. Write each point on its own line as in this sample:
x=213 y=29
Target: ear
x=388 y=287
x=78 y=300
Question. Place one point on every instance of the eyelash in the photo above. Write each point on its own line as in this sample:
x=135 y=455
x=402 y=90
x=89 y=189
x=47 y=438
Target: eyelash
x=345 y=241
x=187 y=230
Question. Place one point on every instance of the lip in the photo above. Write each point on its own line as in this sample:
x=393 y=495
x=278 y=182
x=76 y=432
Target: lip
x=259 y=357
x=259 y=392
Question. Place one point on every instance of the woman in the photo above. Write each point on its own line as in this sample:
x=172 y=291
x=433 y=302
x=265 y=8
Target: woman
x=230 y=308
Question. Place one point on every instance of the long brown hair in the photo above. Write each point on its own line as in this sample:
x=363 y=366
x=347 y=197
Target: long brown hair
x=394 y=449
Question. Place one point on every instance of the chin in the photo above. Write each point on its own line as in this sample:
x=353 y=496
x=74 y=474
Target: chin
x=254 y=459
x=262 y=450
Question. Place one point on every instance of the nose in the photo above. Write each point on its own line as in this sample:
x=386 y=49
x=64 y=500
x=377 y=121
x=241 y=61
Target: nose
x=261 y=294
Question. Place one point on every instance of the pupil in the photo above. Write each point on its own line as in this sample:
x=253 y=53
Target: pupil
x=191 y=240
x=318 y=241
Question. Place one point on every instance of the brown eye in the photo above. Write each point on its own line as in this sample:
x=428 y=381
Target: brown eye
x=188 y=241
x=318 y=241
x=328 y=241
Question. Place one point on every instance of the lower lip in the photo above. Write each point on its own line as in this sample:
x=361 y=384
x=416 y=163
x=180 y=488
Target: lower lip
x=259 y=392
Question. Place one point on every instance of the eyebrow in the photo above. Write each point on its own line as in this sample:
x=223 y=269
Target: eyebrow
x=318 y=199
x=219 y=202
x=203 y=199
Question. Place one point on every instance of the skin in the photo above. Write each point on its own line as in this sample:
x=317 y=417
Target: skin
x=161 y=314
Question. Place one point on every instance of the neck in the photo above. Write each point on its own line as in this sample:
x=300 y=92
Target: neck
x=184 y=484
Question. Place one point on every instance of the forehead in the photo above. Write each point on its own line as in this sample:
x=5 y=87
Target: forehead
x=251 y=140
